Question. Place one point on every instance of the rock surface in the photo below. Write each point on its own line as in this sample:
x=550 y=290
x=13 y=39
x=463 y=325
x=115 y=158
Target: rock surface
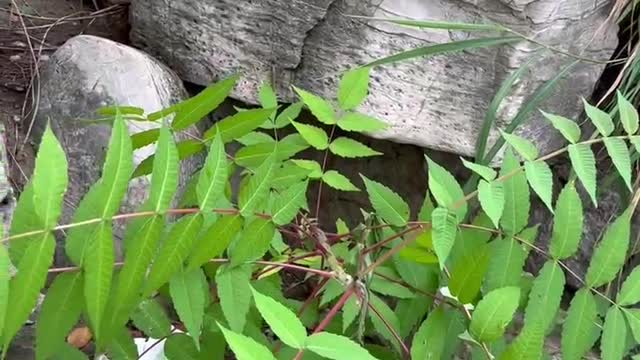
x=436 y=103
x=85 y=74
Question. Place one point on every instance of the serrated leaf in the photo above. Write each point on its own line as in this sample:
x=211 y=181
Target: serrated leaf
x=256 y=190
x=493 y=313
x=491 y=197
x=527 y=345
x=254 y=242
x=197 y=107
x=282 y=321
x=122 y=346
x=313 y=135
x=584 y=164
x=350 y=311
x=234 y=292
x=253 y=156
x=98 y=270
x=349 y=148
x=313 y=166
x=383 y=311
x=540 y=178
x=238 y=125
x=619 y=153
x=353 y=88
x=188 y=293
x=144 y=138
x=438 y=335
x=213 y=175
x=523 y=146
x=338 y=181
x=567 y=223
x=151 y=318
x=580 y=326
x=288 y=175
x=410 y=312
x=515 y=215
x=628 y=114
x=214 y=240
x=186 y=149
x=633 y=319
x=467 y=274
x=60 y=311
x=545 y=296
x=354 y=121
x=485 y=172
x=174 y=250
x=505 y=264
x=387 y=204
x=68 y=352
x=319 y=107
x=49 y=179
x=291 y=112
x=288 y=202
x=382 y=285
x=599 y=118
x=444 y=227
x=22 y=222
x=426 y=208
x=568 y=128
x=164 y=178
x=445 y=189
x=180 y=347
x=630 y=292
x=255 y=137
x=610 y=255
x=267 y=96
x=336 y=347
x=614 y=335
x=5 y=264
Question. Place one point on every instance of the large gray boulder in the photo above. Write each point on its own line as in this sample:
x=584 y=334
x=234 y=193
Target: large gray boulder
x=436 y=103
x=85 y=74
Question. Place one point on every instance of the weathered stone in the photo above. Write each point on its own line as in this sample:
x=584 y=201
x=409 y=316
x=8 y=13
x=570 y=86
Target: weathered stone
x=85 y=74
x=436 y=103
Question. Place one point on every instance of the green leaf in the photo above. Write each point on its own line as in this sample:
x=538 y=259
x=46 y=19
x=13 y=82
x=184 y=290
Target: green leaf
x=122 y=347
x=505 y=264
x=319 y=107
x=49 y=179
x=614 y=335
x=443 y=25
x=545 y=296
x=437 y=337
x=5 y=263
x=188 y=293
x=287 y=175
x=619 y=154
x=267 y=96
x=633 y=319
x=579 y=326
x=515 y=215
x=213 y=176
x=449 y=47
x=567 y=224
x=164 y=179
x=282 y=321
x=234 y=292
x=493 y=313
x=118 y=109
x=336 y=347
x=256 y=190
x=444 y=225
x=584 y=164
x=353 y=88
x=491 y=196
x=410 y=312
x=385 y=281
x=540 y=178
x=144 y=138
x=349 y=148
x=599 y=118
x=628 y=114
x=353 y=121
x=311 y=165
x=630 y=292
x=426 y=208
x=23 y=221
x=197 y=107
x=244 y=347
x=568 y=128
x=288 y=202
x=59 y=313
x=387 y=204
x=445 y=189
x=255 y=155
x=467 y=274
x=338 y=181
x=180 y=347
x=238 y=125
x=485 y=172
x=214 y=240
x=350 y=311
x=254 y=138
x=254 y=242
x=291 y=112
x=315 y=136
x=527 y=345
x=68 y=352
x=98 y=270
x=610 y=255
x=523 y=146
x=174 y=250
x=151 y=318
x=382 y=327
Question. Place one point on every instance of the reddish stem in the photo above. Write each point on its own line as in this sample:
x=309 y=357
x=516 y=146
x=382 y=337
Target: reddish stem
x=324 y=165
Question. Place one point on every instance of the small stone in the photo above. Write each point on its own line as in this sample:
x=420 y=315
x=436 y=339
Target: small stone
x=15 y=58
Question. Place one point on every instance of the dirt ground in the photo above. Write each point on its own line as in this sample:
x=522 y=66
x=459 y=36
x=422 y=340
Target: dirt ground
x=30 y=31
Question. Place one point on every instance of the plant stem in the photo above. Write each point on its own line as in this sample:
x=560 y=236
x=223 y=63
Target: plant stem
x=324 y=165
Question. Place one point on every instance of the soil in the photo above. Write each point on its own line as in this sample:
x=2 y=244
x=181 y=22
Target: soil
x=30 y=31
